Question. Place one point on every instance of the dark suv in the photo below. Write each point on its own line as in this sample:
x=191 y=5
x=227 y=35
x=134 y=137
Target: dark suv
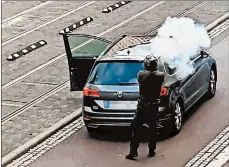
x=106 y=72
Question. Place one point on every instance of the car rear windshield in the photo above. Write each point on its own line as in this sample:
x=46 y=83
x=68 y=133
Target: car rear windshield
x=116 y=73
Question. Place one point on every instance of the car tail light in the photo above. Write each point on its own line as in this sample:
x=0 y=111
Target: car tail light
x=87 y=118
x=91 y=92
x=164 y=91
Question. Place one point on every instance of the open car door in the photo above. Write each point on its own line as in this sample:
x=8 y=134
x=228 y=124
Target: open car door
x=82 y=51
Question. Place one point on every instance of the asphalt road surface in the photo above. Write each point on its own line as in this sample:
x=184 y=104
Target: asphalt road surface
x=28 y=78
x=202 y=125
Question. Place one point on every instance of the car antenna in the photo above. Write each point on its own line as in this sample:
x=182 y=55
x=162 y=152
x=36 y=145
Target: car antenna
x=128 y=52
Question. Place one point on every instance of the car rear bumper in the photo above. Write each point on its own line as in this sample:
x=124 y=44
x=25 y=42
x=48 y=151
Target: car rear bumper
x=95 y=119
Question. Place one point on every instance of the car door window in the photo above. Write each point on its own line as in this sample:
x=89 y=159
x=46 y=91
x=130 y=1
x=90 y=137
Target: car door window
x=83 y=46
x=82 y=51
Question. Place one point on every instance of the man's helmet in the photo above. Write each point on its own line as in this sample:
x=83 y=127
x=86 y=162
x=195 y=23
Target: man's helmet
x=150 y=63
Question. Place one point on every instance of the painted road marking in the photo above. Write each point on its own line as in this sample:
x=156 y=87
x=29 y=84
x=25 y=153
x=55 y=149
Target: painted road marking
x=115 y=6
x=26 y=50
x=76 y=25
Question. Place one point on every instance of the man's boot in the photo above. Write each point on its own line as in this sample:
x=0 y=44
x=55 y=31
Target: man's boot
x=151 y=153
x=133 y=153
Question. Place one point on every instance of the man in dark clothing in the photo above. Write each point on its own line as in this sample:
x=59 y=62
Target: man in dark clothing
x=150 y=82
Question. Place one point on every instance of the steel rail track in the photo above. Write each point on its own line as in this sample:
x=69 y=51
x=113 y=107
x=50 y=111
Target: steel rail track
x=34 y=101
x=185 y=12
x=61 y=56
x=19 y=35
x=64 y=84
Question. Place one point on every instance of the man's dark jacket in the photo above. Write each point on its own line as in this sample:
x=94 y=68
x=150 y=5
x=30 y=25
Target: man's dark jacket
x=150 y=85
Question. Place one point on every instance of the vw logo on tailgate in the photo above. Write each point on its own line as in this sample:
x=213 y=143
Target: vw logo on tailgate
x=119 y=94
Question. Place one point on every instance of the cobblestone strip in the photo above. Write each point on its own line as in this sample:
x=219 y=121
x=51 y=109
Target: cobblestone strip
x=208 y=153
x=220 y=159
x=49 y=143
x=219 y=29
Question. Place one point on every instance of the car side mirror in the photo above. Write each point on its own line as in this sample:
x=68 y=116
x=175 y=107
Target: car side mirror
x=203 y=54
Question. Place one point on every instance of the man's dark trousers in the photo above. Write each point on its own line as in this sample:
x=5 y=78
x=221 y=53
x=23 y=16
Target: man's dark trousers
x=145 y=114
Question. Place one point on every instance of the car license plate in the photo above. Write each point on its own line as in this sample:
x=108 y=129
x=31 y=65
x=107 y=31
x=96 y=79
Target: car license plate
x=106 y=104
x=120 y=105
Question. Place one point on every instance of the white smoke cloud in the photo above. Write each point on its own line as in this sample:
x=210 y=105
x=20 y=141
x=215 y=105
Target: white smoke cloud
x=177 y=41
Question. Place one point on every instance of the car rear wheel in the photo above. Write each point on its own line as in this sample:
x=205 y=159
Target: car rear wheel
x=212 y=84
x=177 y=119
